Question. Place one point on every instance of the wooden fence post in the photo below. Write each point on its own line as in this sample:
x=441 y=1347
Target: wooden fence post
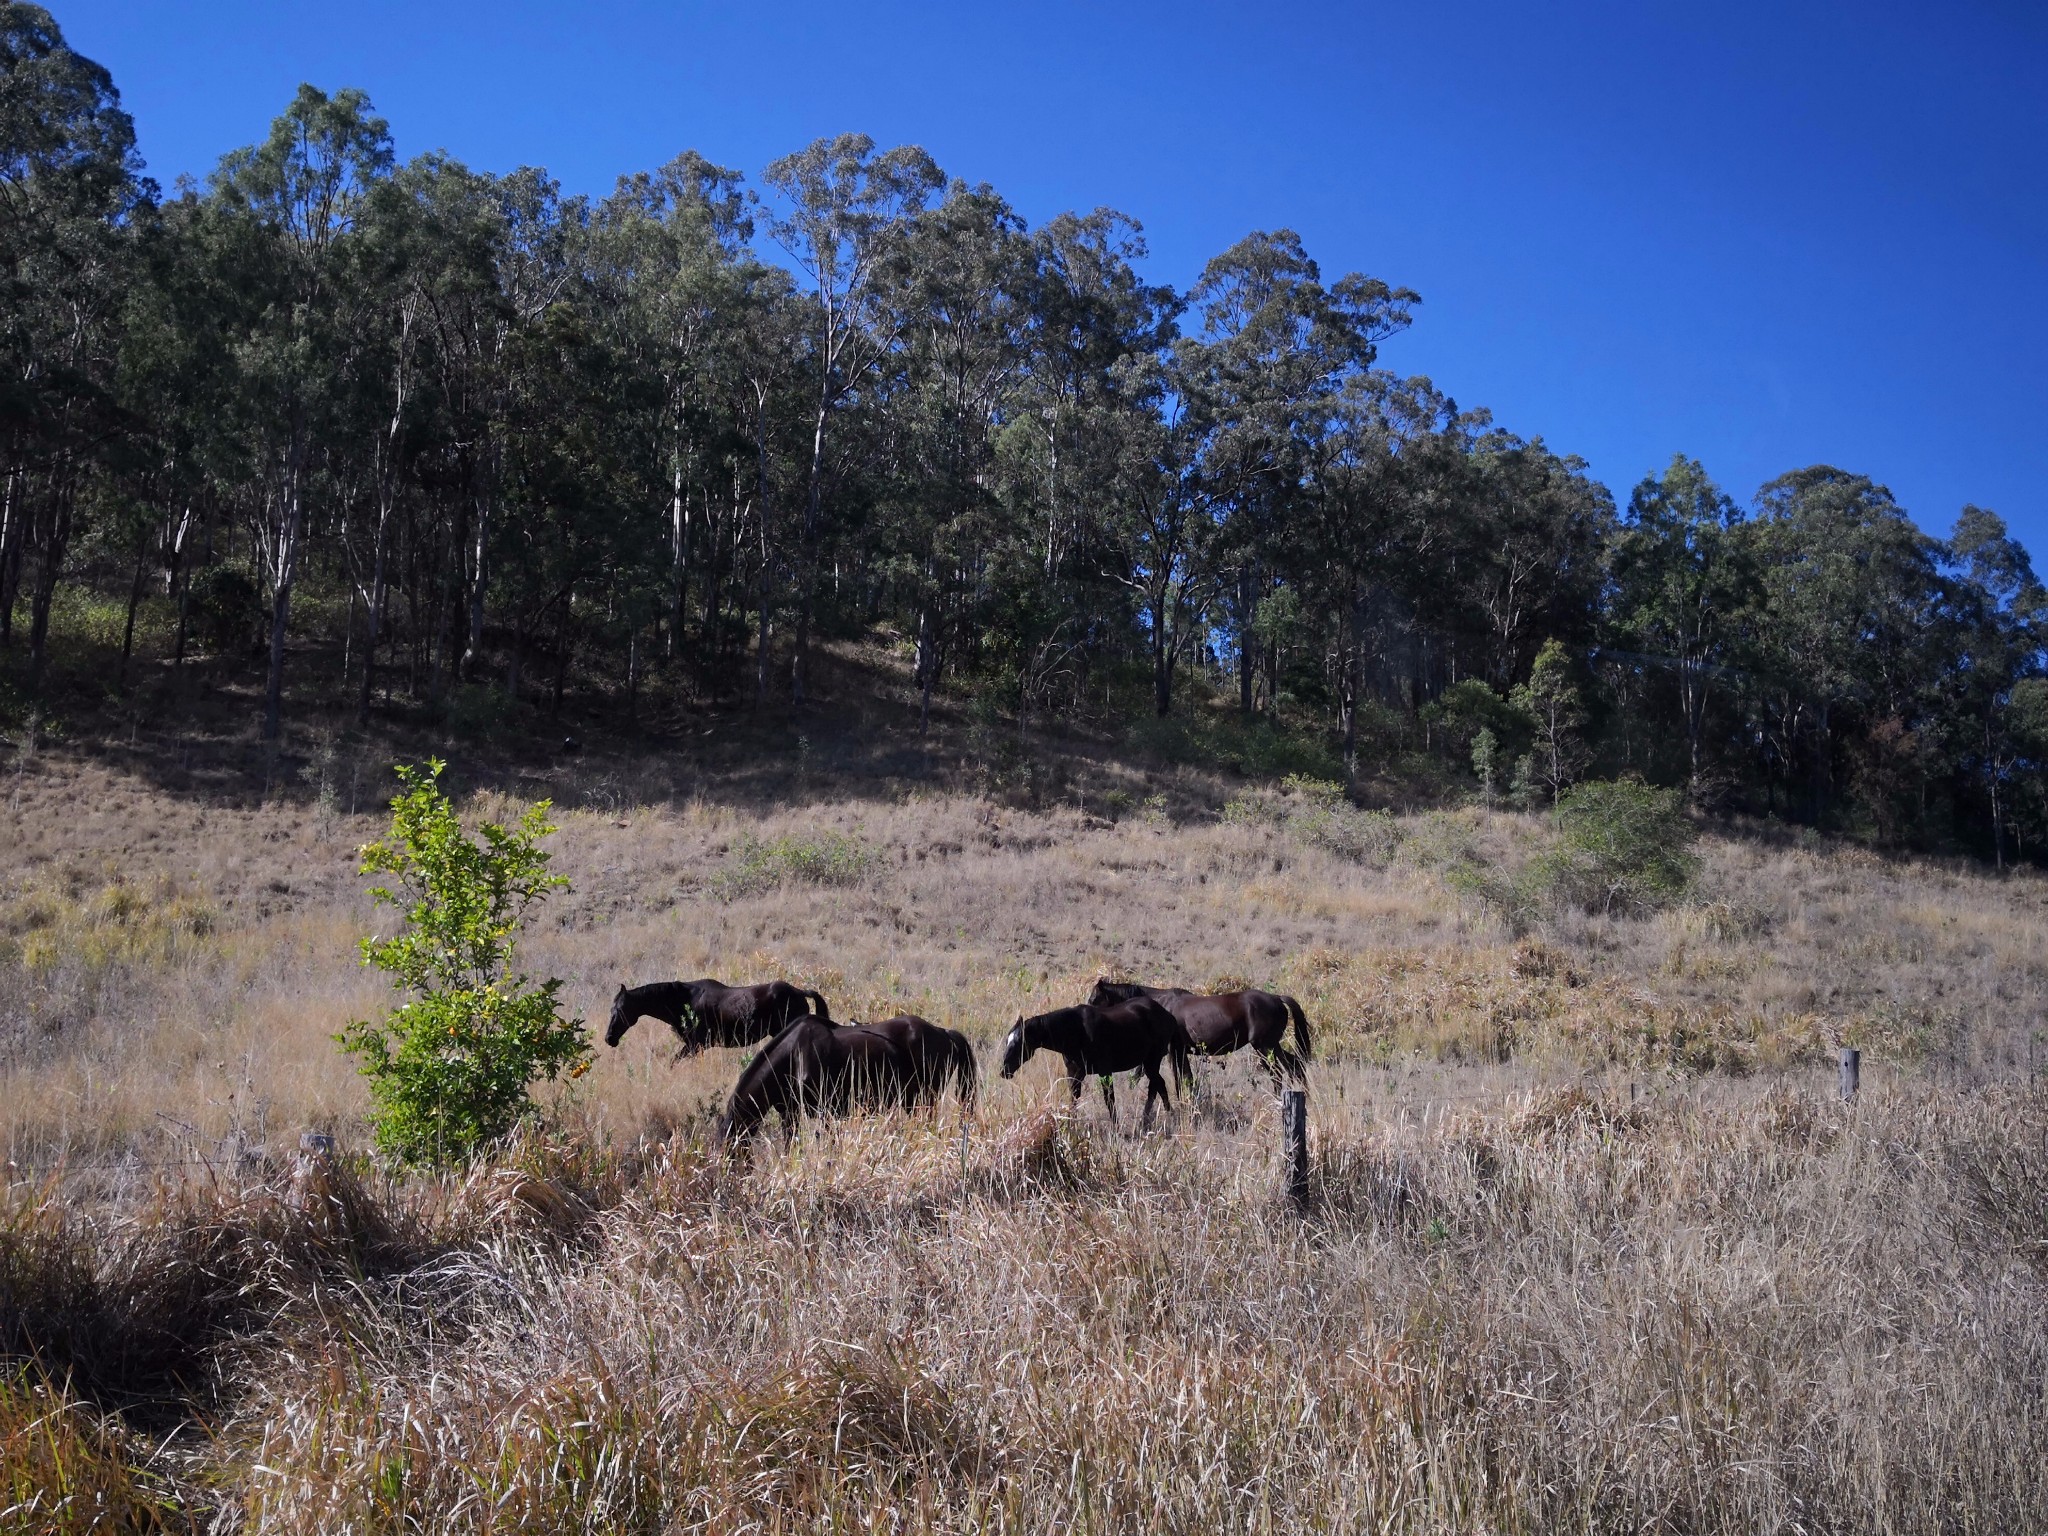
x=1852 y=1071
x=1294 y=1135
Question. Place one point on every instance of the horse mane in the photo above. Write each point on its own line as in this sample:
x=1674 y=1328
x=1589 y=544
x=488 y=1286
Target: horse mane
x=654 y=997
x=1055 y=1018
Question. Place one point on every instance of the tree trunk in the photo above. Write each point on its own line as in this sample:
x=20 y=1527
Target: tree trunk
x=55 y=547
x=374 y=620
x=1162 y=658
x=480 y=554
x=128 y=630
x=1247 y=663
x=632 y=676
x=1350 y=684
x=286 y=573
x=13 y=511
x=927 y=665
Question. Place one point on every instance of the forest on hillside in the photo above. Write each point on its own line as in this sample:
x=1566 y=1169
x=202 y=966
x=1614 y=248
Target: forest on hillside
x=480 y=434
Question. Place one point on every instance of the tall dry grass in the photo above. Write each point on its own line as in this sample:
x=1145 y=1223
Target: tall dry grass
x=1737 y=1312
x=172 y=972
x=1588 y=1247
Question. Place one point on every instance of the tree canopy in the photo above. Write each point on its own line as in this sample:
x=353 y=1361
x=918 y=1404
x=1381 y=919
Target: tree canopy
x=480 y=434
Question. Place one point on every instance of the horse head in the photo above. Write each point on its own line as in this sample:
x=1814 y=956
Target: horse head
x=623 y=1018
x=1015 y=1051
x=1106 y=992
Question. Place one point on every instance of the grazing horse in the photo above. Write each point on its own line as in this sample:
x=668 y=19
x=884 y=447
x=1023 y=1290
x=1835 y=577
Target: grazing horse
x=1228 y=1021
x=936 y=1054
x=718 y=1014
x=816 y=1068
x=1137 y=1034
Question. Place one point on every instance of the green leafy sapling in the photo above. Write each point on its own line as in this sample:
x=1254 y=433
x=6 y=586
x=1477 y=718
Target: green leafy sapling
x=452 y=1068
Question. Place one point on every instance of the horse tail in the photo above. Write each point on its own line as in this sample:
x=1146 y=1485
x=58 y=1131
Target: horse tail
x=1300 y=1027
x=965 y=1069
x=818 y=998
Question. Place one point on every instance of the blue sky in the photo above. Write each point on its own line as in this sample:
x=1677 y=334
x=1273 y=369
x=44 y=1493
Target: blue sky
x=1764 y=235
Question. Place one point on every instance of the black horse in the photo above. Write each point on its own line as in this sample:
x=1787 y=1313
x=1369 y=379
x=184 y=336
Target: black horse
x=1138 y=1034
x=936 y=1055
x=1223 y=1022
x=814 y=1068
x=718 y=1014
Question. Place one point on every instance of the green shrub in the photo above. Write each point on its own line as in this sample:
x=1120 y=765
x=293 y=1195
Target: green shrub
x=821 y=858
x=226 y=611
x=1259 y=747
x=452 y=1068
x=1622 y=846
x=480 y=712
x=1318 y=812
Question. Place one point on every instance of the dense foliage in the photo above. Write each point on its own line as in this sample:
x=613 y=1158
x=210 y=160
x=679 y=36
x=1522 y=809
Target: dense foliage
x=452 y=1068
x=509 y=438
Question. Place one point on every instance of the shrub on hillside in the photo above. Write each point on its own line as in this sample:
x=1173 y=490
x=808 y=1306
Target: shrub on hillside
x=1318 y=812
x=820 y=858
x=1619 y=847
x=453 y=1067
x=226 y=611
x=1622 y=846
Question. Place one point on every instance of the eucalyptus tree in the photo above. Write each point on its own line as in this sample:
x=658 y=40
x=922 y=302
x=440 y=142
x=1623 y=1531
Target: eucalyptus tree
x=1853 y=599
x=1383 y=471
x=1993 y=684
x=957 y=295
x=1274 y=349
x=304 y=190
x=1087 y=309
x=1540 y=525
x=1682 y=587
x=843 y=208
x=671 y=268
x=70 y=191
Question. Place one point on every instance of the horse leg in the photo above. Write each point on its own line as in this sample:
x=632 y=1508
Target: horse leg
x=1155 y=1093
x=1109 y=1098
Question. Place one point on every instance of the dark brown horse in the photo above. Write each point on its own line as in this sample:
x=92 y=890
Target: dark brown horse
x=717 y=1014
x=936 y=1055
x=1228 y=1021
x=815 y=1068
x=1134 y=1035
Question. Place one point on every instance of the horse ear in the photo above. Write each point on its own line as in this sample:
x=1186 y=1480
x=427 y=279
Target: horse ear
x=622 y=989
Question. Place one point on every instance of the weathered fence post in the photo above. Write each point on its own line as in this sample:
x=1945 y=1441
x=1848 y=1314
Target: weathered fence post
x=1294 y=1135
x=1852 y=1071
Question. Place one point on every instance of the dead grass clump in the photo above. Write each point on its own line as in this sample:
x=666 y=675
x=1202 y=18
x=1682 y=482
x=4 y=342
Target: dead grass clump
x=1548 y=1114
x=2002 y=1180
x=1797 y=1120
x=68 y=1471
x=1537 y=961
x=1048 y=1150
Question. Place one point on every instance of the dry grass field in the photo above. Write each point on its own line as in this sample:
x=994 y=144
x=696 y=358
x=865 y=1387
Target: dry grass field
x=1590 y=1245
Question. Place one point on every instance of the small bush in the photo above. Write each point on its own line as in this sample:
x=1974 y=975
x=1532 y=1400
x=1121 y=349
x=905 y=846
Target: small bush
x=480 y=712
x=1325 y=817
x=1317 y=812
x=821 y=858
x=1258 y=747
x=453 y=1067
x=226 y=611
x=1623 y=846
